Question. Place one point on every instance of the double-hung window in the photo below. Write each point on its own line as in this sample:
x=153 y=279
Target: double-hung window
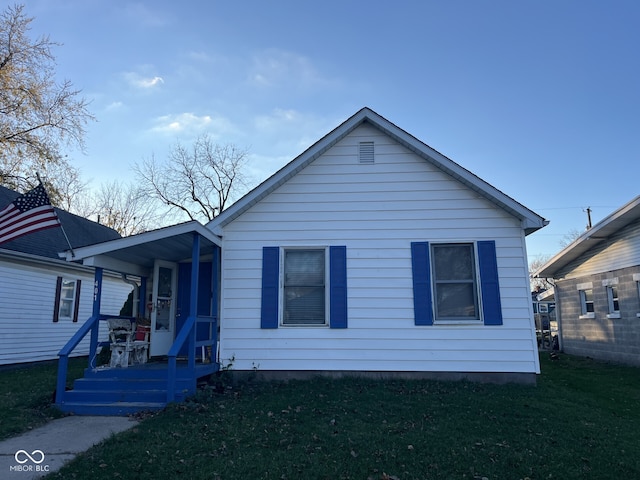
x=585 y=292
x=67 y=301
x=455 y=282
x=613 y=302
x=304 y=286
x=636 y=278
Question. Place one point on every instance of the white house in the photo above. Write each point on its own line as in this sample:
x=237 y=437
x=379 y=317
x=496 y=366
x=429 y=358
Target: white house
x=44 y=299
x=369 y=254
x=372 y=252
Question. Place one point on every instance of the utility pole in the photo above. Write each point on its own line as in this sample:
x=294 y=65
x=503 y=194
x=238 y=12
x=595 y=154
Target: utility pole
x=588 y=210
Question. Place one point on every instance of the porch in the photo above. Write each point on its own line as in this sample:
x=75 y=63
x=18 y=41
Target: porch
x=175 y=273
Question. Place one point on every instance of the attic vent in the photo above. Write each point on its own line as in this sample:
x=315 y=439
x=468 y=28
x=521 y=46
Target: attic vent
x=366 y=152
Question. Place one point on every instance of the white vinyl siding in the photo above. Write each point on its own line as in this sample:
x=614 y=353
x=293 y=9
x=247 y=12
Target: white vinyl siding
x=376 y=210
x=27 y=302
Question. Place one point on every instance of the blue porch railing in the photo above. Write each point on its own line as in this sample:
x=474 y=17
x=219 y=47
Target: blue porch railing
x=90 y=326
x=189 y=333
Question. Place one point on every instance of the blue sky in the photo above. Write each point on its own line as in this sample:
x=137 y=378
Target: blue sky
x=539 y=98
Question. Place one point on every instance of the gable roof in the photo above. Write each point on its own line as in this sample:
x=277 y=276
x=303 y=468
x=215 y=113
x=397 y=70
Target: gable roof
x=600 y=232
x=47 y=243
x=530 y=220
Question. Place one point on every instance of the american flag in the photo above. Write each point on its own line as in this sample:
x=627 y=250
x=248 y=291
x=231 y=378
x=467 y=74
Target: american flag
x=30 y=212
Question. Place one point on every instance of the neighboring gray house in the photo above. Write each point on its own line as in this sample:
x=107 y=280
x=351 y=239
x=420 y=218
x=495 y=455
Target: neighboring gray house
x=44 y=299
x=597 y=288
x=372 y=252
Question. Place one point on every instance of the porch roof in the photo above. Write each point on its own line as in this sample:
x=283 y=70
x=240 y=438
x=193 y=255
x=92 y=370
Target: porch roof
x=136 y=254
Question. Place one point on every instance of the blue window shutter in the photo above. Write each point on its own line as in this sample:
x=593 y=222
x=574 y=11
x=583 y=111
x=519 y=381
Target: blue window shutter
x=491 y=306
x=422 y=310
x=270 y=287
x=338 y=287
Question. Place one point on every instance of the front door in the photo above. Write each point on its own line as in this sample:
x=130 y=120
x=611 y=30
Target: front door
x=163 y=314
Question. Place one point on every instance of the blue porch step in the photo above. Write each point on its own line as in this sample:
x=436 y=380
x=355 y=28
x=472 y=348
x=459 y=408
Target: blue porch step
x=126 y=391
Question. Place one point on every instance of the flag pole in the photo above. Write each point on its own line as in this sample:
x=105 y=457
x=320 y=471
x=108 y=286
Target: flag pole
x=73 y=254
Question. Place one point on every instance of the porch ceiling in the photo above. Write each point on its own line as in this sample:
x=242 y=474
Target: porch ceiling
x=136 y=254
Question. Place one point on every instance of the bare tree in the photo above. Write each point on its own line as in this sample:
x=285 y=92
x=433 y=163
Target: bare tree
x=570 y=237
x=534 y=265
x=67 y=189
x=125 y=207
x=197 y=182
x=38 y=116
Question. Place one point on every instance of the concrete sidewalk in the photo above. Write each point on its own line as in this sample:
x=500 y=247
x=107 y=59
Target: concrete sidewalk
x=43 y=450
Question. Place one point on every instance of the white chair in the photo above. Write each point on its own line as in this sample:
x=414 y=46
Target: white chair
x=122 y=343
x=141 y=344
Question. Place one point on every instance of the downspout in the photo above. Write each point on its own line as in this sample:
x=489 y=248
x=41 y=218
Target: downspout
x=135 y=307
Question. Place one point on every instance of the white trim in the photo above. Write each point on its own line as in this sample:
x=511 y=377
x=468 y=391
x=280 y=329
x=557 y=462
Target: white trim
x=584 y=286
x=587 y=316
x=636 y=277
x=608 y=282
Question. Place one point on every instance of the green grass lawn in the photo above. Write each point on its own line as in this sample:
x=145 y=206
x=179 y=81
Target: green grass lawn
x=581 y=421
x=26 y=394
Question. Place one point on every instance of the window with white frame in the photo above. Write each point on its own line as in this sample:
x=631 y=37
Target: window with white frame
x=586 y=300
x=636 y=278
x=454 y=281
x=67 y=299
x=612 y=297
x=304 y=286
x=611 y=285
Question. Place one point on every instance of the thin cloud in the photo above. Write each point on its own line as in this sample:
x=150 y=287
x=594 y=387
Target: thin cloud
x=138 y=81
x=191 y=123
x=114 y=106
x=278 y=68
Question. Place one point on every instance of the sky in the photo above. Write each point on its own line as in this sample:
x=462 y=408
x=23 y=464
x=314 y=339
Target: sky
x=541 y=98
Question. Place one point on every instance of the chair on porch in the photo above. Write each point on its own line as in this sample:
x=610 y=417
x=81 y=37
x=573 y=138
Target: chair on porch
x=141 y=344
x=121 y=338
x=129 y=346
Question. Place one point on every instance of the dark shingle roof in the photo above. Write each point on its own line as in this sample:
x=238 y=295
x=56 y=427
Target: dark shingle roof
x=47 y=243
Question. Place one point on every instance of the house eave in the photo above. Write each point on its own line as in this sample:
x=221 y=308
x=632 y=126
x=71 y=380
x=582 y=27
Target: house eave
x=600 y=232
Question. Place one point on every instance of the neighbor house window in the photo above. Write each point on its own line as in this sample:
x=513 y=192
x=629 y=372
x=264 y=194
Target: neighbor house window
x=612 y=297
x=304 y=292
x=454 y=281
x=585 y=292
x=636 y=278
x=304 y=286
x=67 y=300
